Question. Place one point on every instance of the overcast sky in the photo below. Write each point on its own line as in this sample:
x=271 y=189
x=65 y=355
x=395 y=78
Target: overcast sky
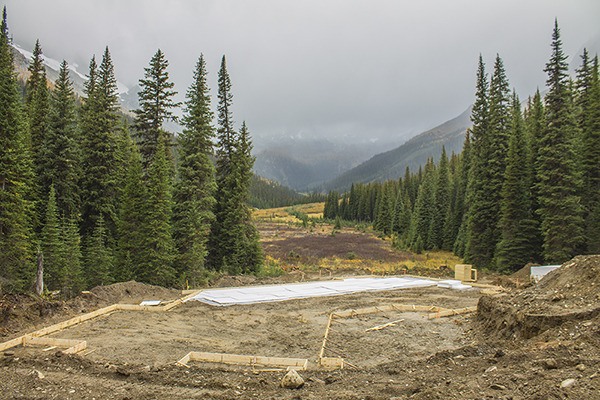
x=372 y=68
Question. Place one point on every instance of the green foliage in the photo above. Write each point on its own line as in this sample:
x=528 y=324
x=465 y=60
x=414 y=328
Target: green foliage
x=517 y=225
x=588 y=101
x=441 y=200
x=194 y=191
x=16 y=267
x=158 y=251
x=490 y=144
x=558 y=182
x=99 y=127
x=98 y=259
x=156 y=104
x=62 y=154
x=52 y=245
x=233 y=241
x=269 y=194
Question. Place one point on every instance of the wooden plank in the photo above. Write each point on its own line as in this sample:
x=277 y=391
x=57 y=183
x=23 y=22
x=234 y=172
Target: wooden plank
x=184 y=360
x=331 y=363
x=322 y=352
x=82 y=345
x=449 y=313
x=380 y=327
x=12 y=343
x=71 y=346
x=73 y=321
x=239 y=359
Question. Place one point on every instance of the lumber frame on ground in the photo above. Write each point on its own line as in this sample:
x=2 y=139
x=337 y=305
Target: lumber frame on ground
x=72 y=346
x=239 y=359
x=20 y=341
x=433 y=312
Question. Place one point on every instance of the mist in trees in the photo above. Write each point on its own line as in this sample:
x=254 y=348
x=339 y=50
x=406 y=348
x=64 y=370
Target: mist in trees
x=524 y=189
x=97 y=201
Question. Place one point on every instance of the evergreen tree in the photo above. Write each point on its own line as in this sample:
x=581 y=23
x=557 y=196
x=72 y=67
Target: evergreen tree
x=61 y=147
x=385 y=209
x=402 y=216
x=424 y=208
x=100 y=130
x=156 y=104
x=16 y=267
x=38 y=110
x=221 y=240
x=490 y=150
x=98 y=259
x=73 y=269
x=558 y=182
x=517 y=226
x=194 y=191
x=462 y=205
x=131 y=217
x=52 y=245
x=441 y=200
x=37 y=74
x=158 y=252
x=248 y=256
x=589 y=123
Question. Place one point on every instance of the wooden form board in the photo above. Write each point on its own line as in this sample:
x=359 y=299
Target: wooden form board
x=238 y=359
x=91 y=315
x=72 y=346
x=385 y=308
x=331 y=362
x=449 y=313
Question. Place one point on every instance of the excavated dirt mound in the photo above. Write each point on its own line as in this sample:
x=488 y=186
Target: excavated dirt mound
x=568 y=295
x=133 y=292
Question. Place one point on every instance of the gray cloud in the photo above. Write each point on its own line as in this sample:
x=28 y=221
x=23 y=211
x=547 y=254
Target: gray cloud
x=379 y=68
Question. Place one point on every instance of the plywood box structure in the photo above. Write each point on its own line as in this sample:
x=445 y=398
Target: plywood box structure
x=465 y=273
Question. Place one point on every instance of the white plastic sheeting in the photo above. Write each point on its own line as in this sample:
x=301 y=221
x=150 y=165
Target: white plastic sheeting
x=453 y=284
x=270 y=293
x=538 y=273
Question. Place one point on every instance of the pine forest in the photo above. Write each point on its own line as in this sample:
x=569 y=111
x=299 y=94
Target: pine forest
x=91 y=197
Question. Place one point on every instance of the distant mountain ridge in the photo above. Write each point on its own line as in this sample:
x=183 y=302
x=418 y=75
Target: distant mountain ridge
x=307 y=163
x=413 y=153
x=22 y=59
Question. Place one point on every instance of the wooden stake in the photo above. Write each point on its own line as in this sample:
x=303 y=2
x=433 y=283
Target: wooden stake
x=380 y=327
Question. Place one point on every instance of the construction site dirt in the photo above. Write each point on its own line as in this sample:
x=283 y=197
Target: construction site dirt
x=541 y=342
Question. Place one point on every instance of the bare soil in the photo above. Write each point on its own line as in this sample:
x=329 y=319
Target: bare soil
x=541 y=342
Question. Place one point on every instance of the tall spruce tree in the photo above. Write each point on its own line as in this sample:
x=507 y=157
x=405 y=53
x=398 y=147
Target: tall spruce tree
x=158 y=252
x=424 y=208
x=462 y=205
x=72 y=256
x=248 y=256
x=435 y=237
x=156 y=104
x=219 y=242
x=233 y=241
x=490 y=151
x=588 y=101
x=517 y=225
x=195 y=189
x=52 y=245
x=557 y=180
x=131 y=217
x=100 y=129
x=98 y=257
x=61 y=161
x=477 y=228
x=16 y=267
x=38 y=110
